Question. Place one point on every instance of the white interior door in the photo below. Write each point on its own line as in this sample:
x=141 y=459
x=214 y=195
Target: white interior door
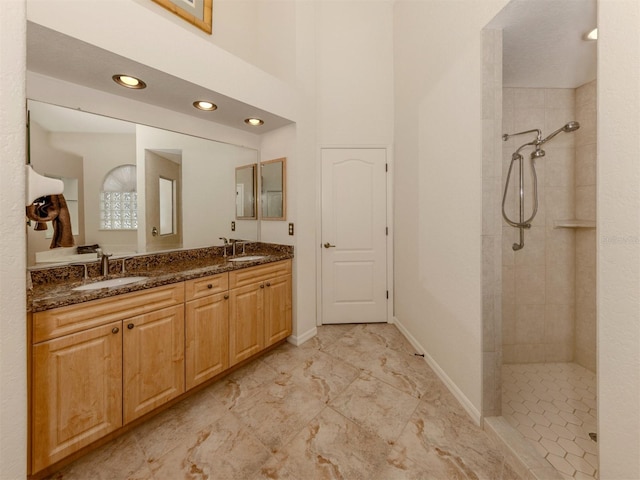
x=354 y=235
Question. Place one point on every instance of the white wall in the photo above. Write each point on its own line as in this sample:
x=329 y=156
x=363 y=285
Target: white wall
x=618 y=227
x=438 y=184
x=13 y=326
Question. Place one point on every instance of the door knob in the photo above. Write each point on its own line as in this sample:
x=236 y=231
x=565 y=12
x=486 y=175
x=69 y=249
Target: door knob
x=328 y=245
x=154 y=231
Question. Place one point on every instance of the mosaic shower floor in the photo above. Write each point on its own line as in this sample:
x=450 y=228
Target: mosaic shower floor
x=554 y=406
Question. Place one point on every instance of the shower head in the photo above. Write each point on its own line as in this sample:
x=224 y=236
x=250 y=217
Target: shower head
x=569 y=127
x=537 y=153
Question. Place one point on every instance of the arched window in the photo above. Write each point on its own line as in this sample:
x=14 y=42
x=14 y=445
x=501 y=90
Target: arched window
x=119 y=199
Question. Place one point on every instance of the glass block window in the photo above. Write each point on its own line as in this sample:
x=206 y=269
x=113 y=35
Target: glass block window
x=119 y=199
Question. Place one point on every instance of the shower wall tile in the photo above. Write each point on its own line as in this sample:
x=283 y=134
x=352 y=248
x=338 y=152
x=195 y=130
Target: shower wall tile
x=586 y=202
x=530 y=285
x=564 y=98
x=529 y=119
x=528 y=98
x=559 y=324
x=534 y=252
x=560 y=167
x=586 y=94
x=587 y=132
x=559 y=204
x=492 y=99
x=586 y=164
x=529 y=324
x=538 y=324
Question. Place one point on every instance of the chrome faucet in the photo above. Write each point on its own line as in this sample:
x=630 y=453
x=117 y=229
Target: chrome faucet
x=241 y=242
x=224 y=247
x=104 y=263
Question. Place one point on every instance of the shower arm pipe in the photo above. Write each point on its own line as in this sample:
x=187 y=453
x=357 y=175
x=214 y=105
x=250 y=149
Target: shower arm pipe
x=538 y=132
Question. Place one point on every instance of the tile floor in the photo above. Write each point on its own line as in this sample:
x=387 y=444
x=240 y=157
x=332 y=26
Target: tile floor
x=351 y=403
x=554 y=406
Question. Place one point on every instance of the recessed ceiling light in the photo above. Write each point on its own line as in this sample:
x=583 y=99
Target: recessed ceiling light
x=129 y=81
x=254 y=122
x=204 y=105
x=592 y=35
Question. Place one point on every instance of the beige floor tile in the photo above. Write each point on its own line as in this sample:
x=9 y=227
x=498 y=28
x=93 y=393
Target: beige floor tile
x=376 y=407
x=324 y=376
x=242 y=384
x=278 y=411
x=226 y=449
x=333 y=447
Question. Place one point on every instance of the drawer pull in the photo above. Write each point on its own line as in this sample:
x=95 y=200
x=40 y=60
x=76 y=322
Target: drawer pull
x=226 y=297
x=115 y=330
x=262 y=285
x=210 y=286
x=130 y=326
x=268 y=284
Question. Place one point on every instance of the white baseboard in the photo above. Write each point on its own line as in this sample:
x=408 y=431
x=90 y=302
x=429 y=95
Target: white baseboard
x=298 y=340
x=450 y=384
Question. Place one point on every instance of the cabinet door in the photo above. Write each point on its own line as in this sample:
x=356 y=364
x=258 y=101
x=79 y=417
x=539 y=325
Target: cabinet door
x=277 y=309
x=76 y=392
x=207 y=338
x=246 y=327
x=153 y=353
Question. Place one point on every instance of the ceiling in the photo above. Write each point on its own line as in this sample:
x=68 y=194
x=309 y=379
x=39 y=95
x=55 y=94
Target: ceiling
x=59 y=56
x=543 y=43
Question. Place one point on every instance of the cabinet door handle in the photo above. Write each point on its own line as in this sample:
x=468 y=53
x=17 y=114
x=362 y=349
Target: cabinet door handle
x=226 y=297
x=268 y=284
x=130 y=326
x=210 y=286
x=262 y=285
x=115 y=330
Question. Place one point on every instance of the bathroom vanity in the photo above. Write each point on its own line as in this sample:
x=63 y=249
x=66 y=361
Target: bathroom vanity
x=103 y=360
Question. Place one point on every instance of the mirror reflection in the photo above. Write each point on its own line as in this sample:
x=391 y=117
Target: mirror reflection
x=112 y=159
x=273 y=189
x=246 y=192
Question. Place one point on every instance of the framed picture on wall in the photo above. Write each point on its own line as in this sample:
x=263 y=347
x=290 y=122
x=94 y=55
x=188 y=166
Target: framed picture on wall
x=197 y=12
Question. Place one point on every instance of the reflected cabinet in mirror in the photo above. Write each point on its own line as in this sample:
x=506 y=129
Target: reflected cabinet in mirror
x=121 y=170
x=246 y=192
x=273 y=184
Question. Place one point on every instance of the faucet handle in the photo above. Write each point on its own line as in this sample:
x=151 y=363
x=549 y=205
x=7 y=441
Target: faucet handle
x=224 y=239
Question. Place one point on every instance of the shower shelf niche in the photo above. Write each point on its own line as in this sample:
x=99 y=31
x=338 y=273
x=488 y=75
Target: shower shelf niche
x=573 y=223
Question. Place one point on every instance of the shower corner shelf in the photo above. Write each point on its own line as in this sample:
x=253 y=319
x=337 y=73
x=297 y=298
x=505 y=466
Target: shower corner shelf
x=574 y=223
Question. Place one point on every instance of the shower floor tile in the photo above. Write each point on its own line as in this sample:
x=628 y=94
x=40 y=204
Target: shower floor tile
x=553 y=406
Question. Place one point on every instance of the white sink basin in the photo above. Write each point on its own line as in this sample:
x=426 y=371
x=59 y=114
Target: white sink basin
x=248 y=258
x=111 y=283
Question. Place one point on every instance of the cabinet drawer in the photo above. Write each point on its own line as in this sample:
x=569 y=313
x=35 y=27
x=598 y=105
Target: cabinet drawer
x=240 y=278
x=74 y=318
x=202 y=287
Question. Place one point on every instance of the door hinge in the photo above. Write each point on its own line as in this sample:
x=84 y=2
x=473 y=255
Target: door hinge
x=387 y=294
x=386 y=167
x=386 y=231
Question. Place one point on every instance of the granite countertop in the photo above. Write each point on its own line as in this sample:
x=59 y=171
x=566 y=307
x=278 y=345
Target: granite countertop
x=52 y=287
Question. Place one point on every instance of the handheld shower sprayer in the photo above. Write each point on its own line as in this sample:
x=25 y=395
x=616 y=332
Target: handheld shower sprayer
x=537 y=153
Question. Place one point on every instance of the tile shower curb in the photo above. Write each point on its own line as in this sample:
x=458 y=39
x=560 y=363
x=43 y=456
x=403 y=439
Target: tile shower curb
x=518 y=452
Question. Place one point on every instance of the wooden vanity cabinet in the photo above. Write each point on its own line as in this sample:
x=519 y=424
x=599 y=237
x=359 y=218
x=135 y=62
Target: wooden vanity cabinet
x=153 y=360
x=259 y=308
x=206 y=328
x=99 y=365
x=76 y=392
x=82 y=355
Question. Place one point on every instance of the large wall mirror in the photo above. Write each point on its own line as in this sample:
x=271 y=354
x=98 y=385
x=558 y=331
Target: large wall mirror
x=273 y=183
x=199 y=180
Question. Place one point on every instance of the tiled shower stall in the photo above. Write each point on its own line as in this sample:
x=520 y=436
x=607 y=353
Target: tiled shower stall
x=539 y=310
